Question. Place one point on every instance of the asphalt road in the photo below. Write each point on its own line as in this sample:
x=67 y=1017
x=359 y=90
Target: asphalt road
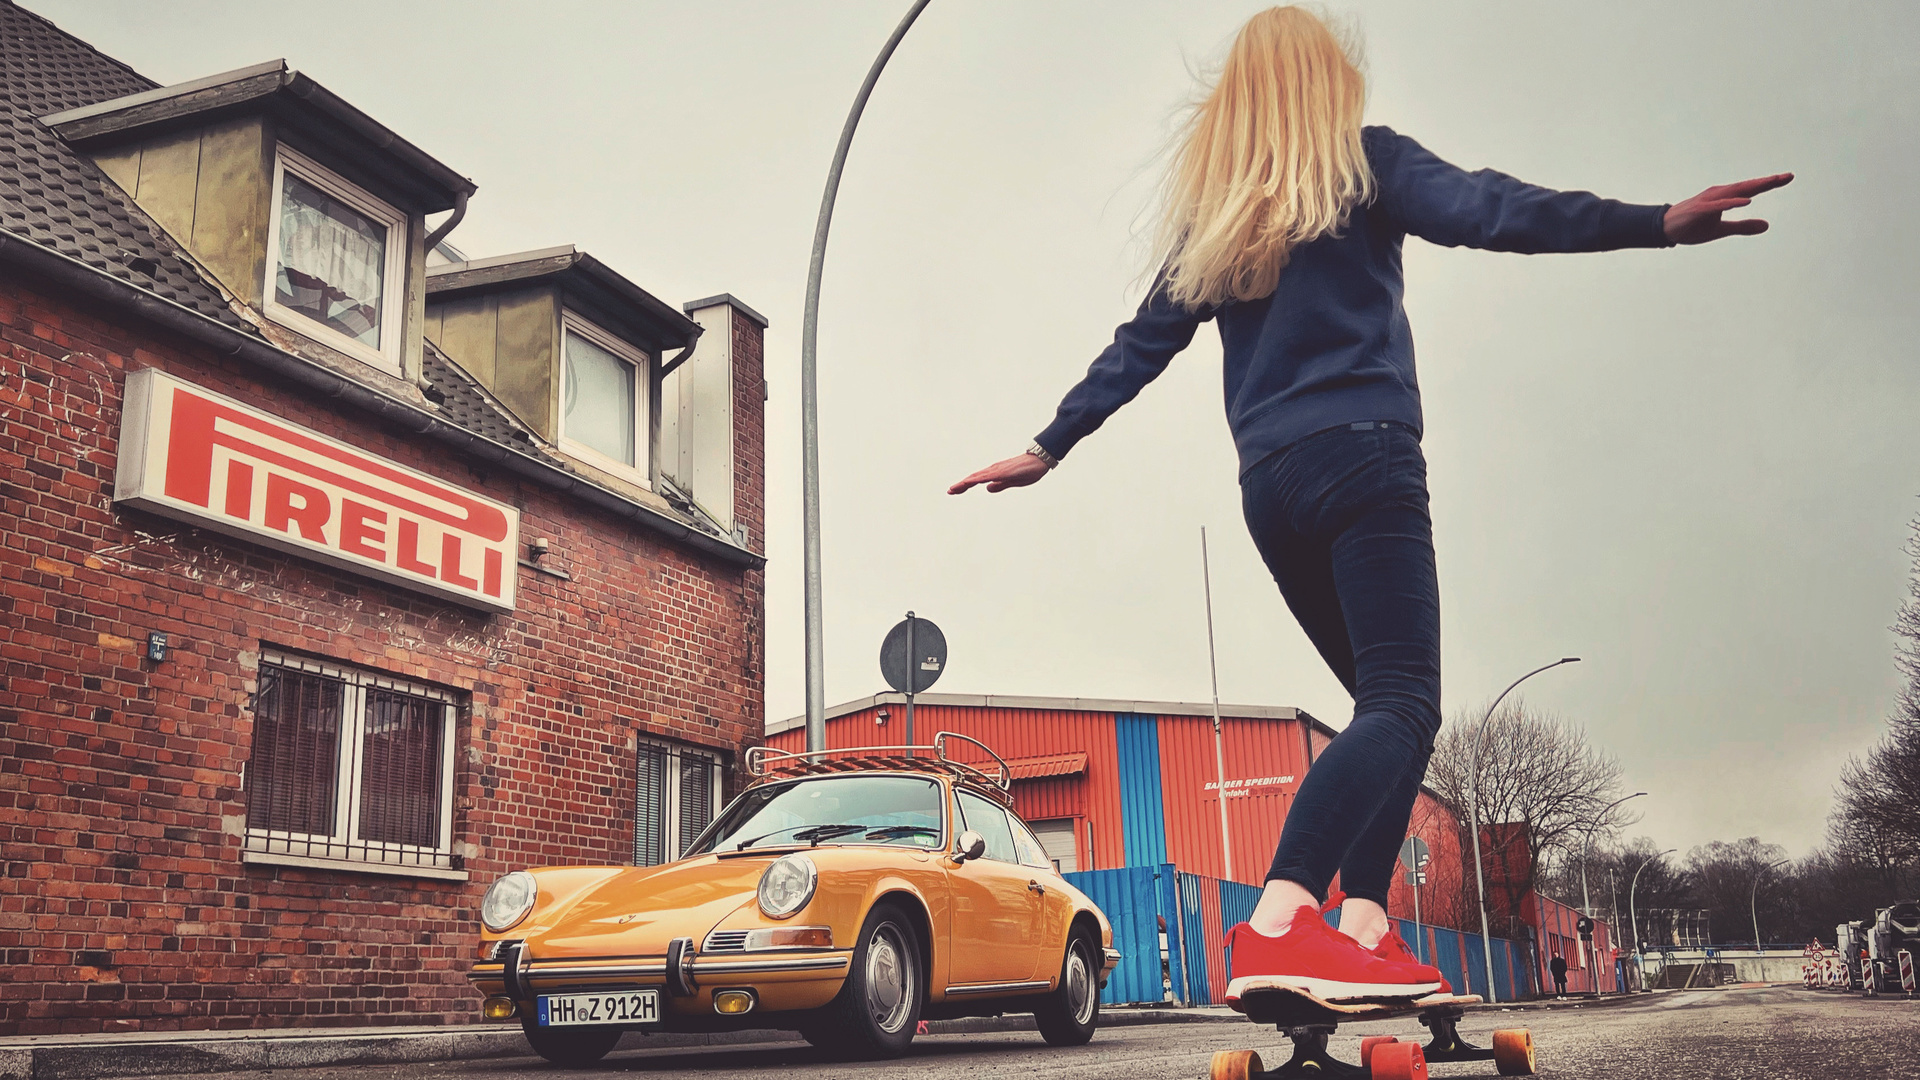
x=1776 y=1034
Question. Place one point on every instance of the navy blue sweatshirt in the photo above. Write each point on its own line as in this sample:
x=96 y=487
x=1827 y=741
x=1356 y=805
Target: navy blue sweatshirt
x=1332 y=345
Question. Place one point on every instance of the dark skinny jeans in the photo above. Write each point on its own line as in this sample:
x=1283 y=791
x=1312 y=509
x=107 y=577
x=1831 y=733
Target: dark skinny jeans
x=1341 y=519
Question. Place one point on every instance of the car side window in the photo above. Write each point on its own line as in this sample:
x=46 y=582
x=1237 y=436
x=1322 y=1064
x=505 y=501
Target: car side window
x=990 y=822
x=1031 y=853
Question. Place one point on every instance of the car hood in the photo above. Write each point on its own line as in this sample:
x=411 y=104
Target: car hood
x=637 y=912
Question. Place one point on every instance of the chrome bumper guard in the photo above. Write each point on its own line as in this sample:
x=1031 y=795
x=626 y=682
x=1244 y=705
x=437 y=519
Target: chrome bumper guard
x=527 y=975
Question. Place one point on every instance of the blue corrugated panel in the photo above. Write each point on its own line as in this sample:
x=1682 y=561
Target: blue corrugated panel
x=1236 y=902
x=1166 y=891
x=1193 y=935
x=1143 y=819
x=1476 y=960
x=1449 y=957
x=1129 y=898
x=1502 y=968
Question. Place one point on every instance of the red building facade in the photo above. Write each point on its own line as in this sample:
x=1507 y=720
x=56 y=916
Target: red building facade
x=265 y=741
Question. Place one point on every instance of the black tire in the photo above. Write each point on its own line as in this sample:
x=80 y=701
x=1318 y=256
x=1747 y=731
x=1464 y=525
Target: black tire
x=572 y=1047
x=1069 y=1015
x=878 y=1009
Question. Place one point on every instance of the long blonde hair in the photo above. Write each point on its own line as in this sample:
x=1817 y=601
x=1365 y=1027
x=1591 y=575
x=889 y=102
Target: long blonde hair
x=1269 y=159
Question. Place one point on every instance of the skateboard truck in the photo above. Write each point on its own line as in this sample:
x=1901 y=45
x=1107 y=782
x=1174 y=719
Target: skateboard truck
x=1447 y=1045
x=1310 y=1056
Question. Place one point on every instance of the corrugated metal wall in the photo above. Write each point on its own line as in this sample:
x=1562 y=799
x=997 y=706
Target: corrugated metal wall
x=1197 y=910
x=1140 y=795
x=1136 y=900
x=1149 y=794
x=1264 y=767
x=1092 y=800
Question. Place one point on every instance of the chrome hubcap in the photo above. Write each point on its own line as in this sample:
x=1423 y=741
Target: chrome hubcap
x=1079 y=985
x=890 y=980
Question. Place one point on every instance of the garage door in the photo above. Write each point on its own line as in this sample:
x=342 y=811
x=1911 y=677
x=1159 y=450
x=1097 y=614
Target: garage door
x=1056 y=837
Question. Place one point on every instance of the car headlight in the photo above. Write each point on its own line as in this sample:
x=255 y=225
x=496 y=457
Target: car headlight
x=787 y=886
x=508 y=900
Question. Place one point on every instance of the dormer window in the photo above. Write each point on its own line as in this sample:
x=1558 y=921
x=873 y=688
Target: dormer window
x=335 y=261
x=603 y=398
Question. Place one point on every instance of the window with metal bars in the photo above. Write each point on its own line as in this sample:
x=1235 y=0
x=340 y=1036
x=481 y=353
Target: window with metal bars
x=349 y=766
x=676 y=794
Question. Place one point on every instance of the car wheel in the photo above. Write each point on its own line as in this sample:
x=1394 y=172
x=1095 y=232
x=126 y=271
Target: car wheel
x=1068 y=1016
x=572 y=1047
x=878 y=1010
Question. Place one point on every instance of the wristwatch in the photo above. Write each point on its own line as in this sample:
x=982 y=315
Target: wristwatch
x=1041 y=452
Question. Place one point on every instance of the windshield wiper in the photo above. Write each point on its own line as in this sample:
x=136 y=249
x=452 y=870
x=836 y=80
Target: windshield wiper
x=812 y=834
x=892 y=831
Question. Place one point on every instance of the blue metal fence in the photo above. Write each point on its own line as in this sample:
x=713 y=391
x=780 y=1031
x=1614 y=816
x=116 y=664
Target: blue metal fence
x=1143 y=902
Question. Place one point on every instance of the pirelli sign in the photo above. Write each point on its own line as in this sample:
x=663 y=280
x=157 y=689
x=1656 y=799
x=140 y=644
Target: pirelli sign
x=208 y=460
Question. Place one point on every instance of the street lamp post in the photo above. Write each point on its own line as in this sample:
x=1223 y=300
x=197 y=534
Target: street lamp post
x=1586 y=853
x=1753 y=901
x=810 y=399
x=1473 y=816
x=1633 y=914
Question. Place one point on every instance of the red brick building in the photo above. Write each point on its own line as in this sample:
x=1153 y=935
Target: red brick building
x=341 y=573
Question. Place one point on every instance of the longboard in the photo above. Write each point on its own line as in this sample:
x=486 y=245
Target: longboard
x=1309 y=1021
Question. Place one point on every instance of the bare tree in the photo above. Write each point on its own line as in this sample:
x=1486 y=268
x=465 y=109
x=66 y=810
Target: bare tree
x=1876 y=817
x=1727 y=883
x=1542 y=789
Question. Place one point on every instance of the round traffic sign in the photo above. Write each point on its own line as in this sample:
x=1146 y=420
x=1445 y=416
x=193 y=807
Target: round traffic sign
x=1414 y=853
x=928 y=660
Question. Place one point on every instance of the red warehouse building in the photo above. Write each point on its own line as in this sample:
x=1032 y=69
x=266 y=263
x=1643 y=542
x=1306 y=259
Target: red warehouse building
x=1110 y=784
x=341 y=573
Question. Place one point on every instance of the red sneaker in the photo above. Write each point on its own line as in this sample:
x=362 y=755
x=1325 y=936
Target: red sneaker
x=1394 y=949
x=1320 y=960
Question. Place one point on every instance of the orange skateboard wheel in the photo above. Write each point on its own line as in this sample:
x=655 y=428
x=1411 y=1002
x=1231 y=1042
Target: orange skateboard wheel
x=1234 y=1065
x=1398 y=1061
x=1366 y=1048
x=1513 y=1052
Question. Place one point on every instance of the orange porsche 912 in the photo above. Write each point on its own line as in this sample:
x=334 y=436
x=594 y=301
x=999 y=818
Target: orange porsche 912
x=846 y=895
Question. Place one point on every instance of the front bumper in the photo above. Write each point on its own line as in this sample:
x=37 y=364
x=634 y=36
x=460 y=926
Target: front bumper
x=780 y=982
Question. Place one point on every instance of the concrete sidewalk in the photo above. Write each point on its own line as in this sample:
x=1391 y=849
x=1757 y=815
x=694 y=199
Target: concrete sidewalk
x=85 y=1057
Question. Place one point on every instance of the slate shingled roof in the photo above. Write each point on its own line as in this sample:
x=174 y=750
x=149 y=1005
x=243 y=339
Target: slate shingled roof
x=464 y=402
x=55 y=197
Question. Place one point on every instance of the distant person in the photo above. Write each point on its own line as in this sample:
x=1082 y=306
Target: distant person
x=1283 y=224
x=1558 y=965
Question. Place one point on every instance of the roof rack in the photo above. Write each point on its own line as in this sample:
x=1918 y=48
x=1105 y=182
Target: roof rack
x=764 y=761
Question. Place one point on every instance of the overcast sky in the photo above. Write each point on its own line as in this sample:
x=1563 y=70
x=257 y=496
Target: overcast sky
x=1693 y=468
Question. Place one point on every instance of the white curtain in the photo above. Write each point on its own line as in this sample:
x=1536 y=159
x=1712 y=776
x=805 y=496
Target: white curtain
x=332 y=261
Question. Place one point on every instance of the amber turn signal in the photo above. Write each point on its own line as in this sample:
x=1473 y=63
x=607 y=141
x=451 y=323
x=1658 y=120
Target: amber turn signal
x=497 y=1008
x=733 y=1002
x=802 y=937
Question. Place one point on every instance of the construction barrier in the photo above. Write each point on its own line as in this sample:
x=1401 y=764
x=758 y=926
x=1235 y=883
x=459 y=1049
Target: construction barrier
x=1170 y=928
x=1906 y=972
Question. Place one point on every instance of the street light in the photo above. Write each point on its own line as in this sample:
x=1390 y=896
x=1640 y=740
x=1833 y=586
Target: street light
x=1586 y=853
x=1639 y=954
x=1473 y=817
x=809 y=402
x=1753 y=900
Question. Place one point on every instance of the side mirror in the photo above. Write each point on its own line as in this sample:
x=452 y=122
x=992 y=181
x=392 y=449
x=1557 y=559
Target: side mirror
x=972 y=846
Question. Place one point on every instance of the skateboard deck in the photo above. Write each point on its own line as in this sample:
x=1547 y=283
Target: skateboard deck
x=1284 y=1006
x=1309 y=1021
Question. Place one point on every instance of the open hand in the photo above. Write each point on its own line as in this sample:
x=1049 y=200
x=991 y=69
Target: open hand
x=1012 y=473
x=1697 y=220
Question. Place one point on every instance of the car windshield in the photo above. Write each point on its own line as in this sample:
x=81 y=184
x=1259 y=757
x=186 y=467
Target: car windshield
x=902 y=810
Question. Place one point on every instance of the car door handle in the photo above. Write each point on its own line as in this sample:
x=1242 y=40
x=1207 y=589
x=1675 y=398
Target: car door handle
x=1035 y=886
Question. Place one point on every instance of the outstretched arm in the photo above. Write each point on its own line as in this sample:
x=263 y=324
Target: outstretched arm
x=1698 y=220
x=1141 y=350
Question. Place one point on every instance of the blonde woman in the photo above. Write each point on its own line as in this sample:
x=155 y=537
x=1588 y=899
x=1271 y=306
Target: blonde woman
x=1283 y=224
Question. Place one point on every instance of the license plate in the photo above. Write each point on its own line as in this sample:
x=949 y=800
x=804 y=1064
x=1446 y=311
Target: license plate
x=625 y=1007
